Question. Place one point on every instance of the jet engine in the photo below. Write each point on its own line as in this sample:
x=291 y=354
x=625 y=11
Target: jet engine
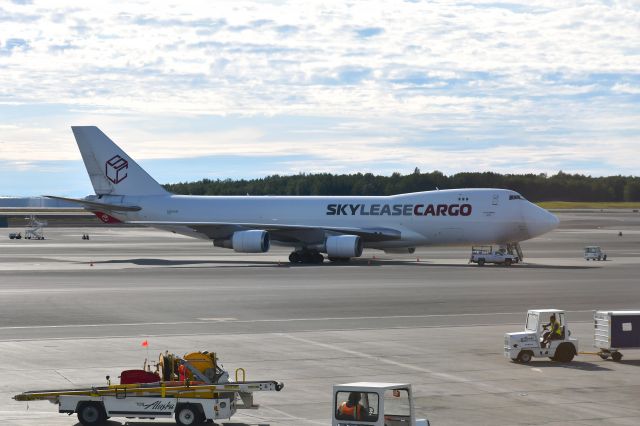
x=344 y=246
x=252 y=241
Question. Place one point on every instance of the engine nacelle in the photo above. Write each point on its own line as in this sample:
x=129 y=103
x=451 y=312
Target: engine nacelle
x=252 y=241
x=344 y=246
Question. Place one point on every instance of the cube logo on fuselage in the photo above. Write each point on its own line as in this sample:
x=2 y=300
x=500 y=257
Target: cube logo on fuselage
x=399 y=210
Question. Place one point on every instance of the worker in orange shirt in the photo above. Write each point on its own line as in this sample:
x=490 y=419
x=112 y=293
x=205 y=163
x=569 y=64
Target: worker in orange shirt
x=351 y=408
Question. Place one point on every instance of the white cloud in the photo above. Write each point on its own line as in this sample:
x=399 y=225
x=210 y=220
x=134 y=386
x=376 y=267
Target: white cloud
x=436 y=82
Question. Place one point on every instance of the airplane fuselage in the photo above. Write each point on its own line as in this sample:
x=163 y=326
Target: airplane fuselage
x=465 y=216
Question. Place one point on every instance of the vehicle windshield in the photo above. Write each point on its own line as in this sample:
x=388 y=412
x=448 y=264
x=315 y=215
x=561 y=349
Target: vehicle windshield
x=396 y=405
x=359 y=406
x=532 y=322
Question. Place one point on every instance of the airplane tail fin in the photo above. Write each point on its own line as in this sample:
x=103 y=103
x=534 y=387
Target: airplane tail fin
x=111 y=170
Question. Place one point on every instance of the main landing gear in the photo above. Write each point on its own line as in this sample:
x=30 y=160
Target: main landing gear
x=306 y=256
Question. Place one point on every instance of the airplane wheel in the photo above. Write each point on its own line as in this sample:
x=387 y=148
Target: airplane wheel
x=318 y=258
x=604 y=355
x=616 y=356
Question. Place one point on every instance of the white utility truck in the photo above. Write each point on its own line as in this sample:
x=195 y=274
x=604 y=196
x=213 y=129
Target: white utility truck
x=193 y=389
x=531 y=343
x=594 y=253
x=486 y=254
x=374 y=404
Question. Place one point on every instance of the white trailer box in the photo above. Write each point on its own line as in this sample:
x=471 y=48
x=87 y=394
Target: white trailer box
x=614 y=330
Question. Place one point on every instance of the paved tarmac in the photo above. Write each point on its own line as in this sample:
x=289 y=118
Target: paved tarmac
x=73 y=311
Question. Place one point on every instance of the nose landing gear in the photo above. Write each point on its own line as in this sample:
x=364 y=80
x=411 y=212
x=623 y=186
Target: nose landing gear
x=306 y=256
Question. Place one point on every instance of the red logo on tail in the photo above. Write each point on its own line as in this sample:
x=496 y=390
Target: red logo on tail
x=106 y=218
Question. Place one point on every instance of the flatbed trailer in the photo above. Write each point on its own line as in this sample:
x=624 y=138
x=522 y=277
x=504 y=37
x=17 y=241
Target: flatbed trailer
x=189 y=405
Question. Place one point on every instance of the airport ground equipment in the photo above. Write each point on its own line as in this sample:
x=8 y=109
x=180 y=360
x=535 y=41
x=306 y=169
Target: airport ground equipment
x=380 y=404
x=35 y=228
x=528 y=344
x=594 y=253
x=192 y=389
x=615 y=330
x=487 y=254
x=15 y=236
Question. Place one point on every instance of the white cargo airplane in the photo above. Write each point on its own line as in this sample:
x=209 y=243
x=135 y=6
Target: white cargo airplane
x=340 y=226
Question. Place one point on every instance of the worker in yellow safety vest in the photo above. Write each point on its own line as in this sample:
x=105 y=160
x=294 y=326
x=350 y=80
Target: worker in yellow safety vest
x=351 y=408
x=553 y=330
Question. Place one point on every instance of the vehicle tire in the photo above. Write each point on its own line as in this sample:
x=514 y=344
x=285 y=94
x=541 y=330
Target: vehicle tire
x=91 y=413
x=604 y=257
x=565 y=353
x=599 y=259
x=294 y=257
x=616 y=356
x=318 y=258
x=507 y=262
x=524 y=357
x=480 y=262
x=188 y=415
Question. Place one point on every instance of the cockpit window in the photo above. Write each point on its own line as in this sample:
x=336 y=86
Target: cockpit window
x=516 y=197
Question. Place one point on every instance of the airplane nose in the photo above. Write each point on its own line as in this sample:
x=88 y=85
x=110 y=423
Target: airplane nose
x=539 y=221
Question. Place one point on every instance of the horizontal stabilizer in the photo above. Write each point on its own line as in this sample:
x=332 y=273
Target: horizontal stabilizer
x=93 y=205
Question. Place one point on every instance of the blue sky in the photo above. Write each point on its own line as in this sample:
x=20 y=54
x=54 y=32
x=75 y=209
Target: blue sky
x=195 y=89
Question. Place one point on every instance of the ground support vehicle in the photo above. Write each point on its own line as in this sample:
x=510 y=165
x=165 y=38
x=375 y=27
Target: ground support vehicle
x=380 y=404
x=35 y=228
x=192 y=389
x=15 y=236
x=523 y=346
x=486 y=254
x=615 y=330
x=594 y=253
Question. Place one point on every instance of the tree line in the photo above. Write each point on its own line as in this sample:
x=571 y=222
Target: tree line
x=535 y=187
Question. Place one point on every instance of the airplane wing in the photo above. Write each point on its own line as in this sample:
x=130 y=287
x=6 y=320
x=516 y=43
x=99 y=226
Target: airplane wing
x=94 y=205
x=280 y=232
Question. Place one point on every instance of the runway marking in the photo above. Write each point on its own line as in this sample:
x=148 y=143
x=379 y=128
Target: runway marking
x=446 y=376
x=234 y=320
x=310 y=330
x=217 y=319
x=286 y=415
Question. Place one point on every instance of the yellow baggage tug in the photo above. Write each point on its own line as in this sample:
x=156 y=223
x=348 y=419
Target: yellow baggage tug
x=193 y=388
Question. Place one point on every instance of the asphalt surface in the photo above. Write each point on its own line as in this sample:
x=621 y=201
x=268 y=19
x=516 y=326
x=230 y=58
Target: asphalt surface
x=73 y=311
